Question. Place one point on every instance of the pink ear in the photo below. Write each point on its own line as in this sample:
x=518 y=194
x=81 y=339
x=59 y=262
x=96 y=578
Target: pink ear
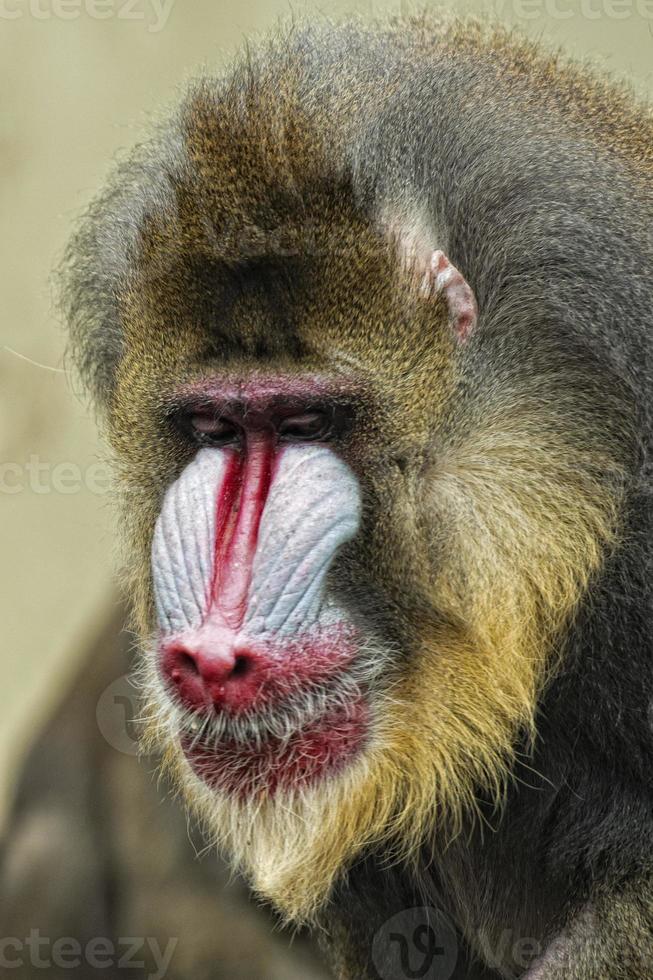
x=443 y=277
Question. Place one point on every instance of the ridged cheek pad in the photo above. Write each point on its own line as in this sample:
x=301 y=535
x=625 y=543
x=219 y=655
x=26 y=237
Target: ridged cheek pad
x=244 y=543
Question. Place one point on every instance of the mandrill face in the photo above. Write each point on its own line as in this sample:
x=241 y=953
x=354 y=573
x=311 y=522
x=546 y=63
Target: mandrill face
x=257 y=652
x=287 y=571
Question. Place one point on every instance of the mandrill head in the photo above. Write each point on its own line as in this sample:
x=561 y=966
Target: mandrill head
x=361 y=483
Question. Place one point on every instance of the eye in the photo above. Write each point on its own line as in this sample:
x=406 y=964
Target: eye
x=305 y=427
x=211 y=430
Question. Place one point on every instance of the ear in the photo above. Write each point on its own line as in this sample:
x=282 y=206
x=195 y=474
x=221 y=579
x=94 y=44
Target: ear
x=434 y=274
x=441 y=276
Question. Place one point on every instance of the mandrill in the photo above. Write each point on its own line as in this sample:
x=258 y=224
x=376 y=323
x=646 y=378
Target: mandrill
x=369 y=321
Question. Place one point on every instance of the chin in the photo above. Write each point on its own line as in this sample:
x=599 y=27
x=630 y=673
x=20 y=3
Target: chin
x=246 y=761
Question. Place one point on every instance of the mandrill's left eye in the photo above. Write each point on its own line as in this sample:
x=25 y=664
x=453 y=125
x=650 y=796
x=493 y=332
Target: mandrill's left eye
x=213 y=431
x=307 y=427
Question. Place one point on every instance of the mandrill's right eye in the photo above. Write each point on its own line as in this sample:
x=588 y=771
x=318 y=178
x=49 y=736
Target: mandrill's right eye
x=211 y=430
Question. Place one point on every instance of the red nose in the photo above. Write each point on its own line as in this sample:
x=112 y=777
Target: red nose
x=205 y=680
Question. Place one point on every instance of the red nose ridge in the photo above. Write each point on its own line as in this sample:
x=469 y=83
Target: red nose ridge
x=205 y=679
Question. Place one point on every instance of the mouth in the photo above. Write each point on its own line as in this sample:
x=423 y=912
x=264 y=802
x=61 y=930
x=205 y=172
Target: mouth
x=261 y=756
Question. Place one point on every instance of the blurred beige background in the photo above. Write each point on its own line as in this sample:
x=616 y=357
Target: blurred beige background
x=78 y=80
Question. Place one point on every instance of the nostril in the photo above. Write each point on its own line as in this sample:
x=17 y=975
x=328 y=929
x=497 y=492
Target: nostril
x=182 y=666
x=187 y=664
x=242 y=666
